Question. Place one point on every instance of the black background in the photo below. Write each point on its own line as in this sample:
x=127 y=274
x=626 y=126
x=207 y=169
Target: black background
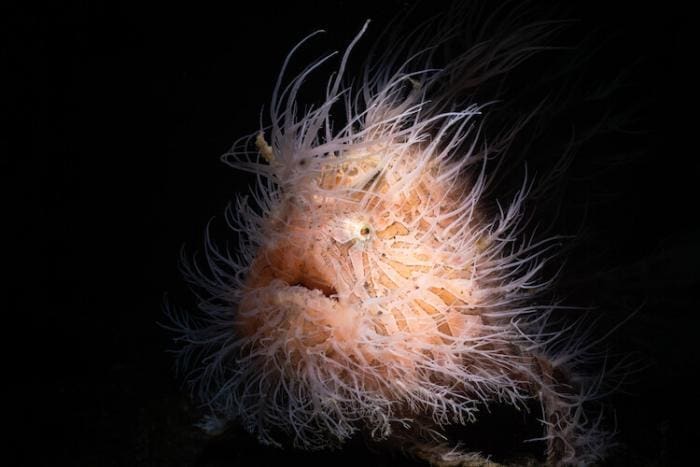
x=116 y=116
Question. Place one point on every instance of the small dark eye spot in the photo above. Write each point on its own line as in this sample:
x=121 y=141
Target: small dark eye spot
x=364 y=231
x=302 y=162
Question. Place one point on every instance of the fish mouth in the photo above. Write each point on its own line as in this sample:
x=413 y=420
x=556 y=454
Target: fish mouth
x=289 y=295
x=291 y=265
x=311 y=284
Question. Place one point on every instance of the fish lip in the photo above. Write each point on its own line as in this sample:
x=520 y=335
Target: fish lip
x=328 y=291
x=278 y=289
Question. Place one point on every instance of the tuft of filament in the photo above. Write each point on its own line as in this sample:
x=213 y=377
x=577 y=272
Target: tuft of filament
x=375 y=288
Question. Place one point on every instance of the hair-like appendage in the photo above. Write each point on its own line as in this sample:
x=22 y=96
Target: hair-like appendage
x=377 y=282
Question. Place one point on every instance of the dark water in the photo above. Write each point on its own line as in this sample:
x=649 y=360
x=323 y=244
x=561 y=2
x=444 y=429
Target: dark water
x=117 y=115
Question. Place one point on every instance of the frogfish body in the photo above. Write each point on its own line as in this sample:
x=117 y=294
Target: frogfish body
x=376 y=286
